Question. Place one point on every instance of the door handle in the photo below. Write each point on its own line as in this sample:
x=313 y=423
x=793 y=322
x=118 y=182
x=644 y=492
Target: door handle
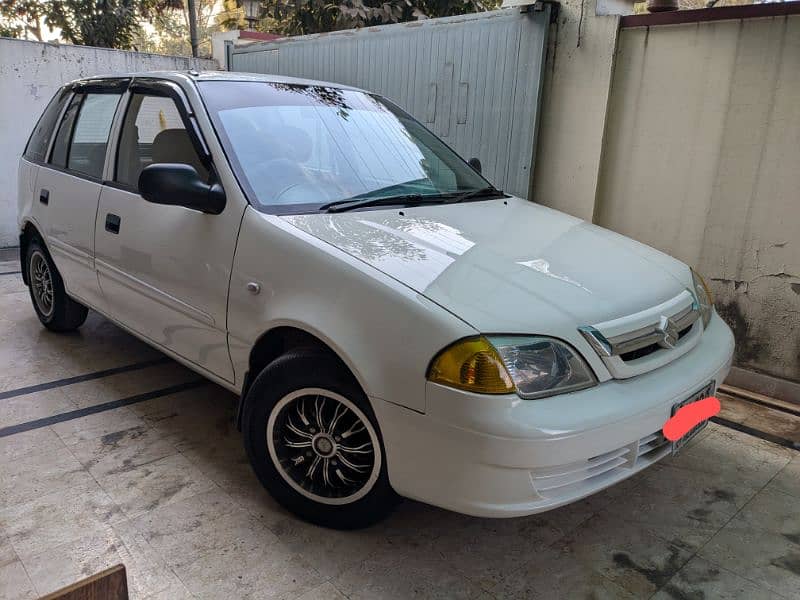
x=112 y=223
x=44 y=196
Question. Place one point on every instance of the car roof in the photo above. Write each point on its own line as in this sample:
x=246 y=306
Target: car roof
x=184 y=77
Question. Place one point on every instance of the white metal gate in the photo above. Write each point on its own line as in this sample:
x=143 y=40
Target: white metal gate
x=475 y=80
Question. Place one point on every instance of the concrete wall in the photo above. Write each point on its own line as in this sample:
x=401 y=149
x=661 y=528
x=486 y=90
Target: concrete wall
x=218 y=39
x=702 y=160
x=574 y=103
x=30 y=73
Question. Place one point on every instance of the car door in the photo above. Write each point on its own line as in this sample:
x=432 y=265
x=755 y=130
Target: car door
x=164 y=270
x=35 y=155
x=68 y=185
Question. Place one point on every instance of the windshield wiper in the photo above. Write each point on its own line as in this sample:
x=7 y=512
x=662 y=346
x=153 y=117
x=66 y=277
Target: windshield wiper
x=409 y=199
x=488 y=191
x=350 y=204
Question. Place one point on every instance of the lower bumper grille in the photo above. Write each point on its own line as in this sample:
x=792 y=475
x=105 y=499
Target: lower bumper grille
x=653 y=447
x=586 y=476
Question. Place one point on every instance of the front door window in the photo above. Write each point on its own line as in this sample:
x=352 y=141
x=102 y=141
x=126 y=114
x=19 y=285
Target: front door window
x=153 y=133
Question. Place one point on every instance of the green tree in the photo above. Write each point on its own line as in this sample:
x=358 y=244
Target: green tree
x=104 y=23
x=7 y=30
x=231 y=16
x=167 y=31
x=21 y=18
x=297 y=17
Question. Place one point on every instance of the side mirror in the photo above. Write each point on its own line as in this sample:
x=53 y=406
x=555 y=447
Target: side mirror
x=180 y=185
x=475 y=164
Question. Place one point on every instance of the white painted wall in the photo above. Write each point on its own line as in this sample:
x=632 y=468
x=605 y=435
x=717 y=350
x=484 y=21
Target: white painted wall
x=218 y=39
x=30 y=73
x=687 y=138
x=701 y=158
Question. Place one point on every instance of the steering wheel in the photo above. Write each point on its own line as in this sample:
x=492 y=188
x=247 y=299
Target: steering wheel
x=301 y=192
x=286 y=176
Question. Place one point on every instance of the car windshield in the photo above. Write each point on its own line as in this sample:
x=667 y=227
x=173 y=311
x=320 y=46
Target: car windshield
x=296 y=148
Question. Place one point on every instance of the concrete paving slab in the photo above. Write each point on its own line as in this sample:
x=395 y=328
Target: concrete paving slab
x=15 y=583
x=39 y=473
x=703 y=579
x=164 y=486
x=762 y=543
x=414 y=576
x=61 y=516
x=788 y=480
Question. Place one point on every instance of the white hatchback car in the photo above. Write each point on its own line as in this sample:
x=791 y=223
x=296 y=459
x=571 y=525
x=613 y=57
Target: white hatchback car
x=393 y=324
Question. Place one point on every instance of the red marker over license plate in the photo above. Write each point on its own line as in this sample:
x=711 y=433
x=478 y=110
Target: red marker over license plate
x=690 y=416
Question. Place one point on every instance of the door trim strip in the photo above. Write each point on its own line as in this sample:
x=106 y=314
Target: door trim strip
x=153 y=293
x=56 y=246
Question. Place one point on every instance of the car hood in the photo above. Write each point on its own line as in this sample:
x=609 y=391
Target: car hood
x=506 y=266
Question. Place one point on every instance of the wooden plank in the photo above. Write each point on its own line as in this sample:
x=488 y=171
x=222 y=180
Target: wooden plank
x=717 y=13
x=774 y=403
x=758 y=420
x=111 y=584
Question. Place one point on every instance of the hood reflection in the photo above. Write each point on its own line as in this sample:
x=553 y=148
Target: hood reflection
x=419 y=248
x=511 y=266
x=542 y=266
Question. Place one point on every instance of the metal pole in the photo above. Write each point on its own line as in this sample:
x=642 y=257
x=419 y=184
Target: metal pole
x=228 y=55
x=192 y=26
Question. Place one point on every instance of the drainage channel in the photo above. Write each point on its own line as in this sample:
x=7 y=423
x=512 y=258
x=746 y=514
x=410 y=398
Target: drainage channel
x=39 y=387
x=97 y=408
x=762 y=435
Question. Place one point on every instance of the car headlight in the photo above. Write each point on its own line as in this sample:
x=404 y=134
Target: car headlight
x=705 y=302
x=532 y=366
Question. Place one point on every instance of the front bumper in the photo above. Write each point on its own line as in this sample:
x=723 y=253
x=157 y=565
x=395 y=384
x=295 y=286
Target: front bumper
x=501 y=456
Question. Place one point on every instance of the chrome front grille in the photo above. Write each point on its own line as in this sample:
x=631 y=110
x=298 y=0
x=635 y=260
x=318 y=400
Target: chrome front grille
x=646 y=340
x=646 y=350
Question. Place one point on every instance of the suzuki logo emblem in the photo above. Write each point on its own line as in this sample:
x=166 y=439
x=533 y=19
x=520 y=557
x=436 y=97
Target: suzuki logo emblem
x=669 y=330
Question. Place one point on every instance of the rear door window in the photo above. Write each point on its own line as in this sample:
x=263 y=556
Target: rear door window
x=82 y=138
x=60 y=152
x=87 y=152
x=36 y=150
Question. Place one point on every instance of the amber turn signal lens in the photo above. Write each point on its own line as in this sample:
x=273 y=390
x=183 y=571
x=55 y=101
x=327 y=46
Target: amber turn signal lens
x=471 y=364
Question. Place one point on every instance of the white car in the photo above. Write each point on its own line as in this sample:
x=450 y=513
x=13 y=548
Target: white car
x=393 y=324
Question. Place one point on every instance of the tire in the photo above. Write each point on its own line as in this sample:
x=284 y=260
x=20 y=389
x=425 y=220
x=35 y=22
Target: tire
x=348 y=489
x=55 y=309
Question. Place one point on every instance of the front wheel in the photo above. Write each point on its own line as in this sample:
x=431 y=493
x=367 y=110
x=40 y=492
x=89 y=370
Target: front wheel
x=314 y=443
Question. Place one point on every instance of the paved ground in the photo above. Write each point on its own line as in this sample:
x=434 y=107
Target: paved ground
x=163 y=486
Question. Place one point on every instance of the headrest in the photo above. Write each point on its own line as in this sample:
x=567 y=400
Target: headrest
x=175 y=146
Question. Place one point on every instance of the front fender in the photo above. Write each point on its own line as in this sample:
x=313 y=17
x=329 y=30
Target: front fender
x=385 y=332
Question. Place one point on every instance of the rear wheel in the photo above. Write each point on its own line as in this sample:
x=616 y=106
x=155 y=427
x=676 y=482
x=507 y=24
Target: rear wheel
x=314 y=443
x=55 y=309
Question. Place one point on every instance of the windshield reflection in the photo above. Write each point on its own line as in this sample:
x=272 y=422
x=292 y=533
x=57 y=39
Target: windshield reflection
x=298 y=147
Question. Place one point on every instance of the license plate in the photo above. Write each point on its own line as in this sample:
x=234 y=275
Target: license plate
x=707 y=391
